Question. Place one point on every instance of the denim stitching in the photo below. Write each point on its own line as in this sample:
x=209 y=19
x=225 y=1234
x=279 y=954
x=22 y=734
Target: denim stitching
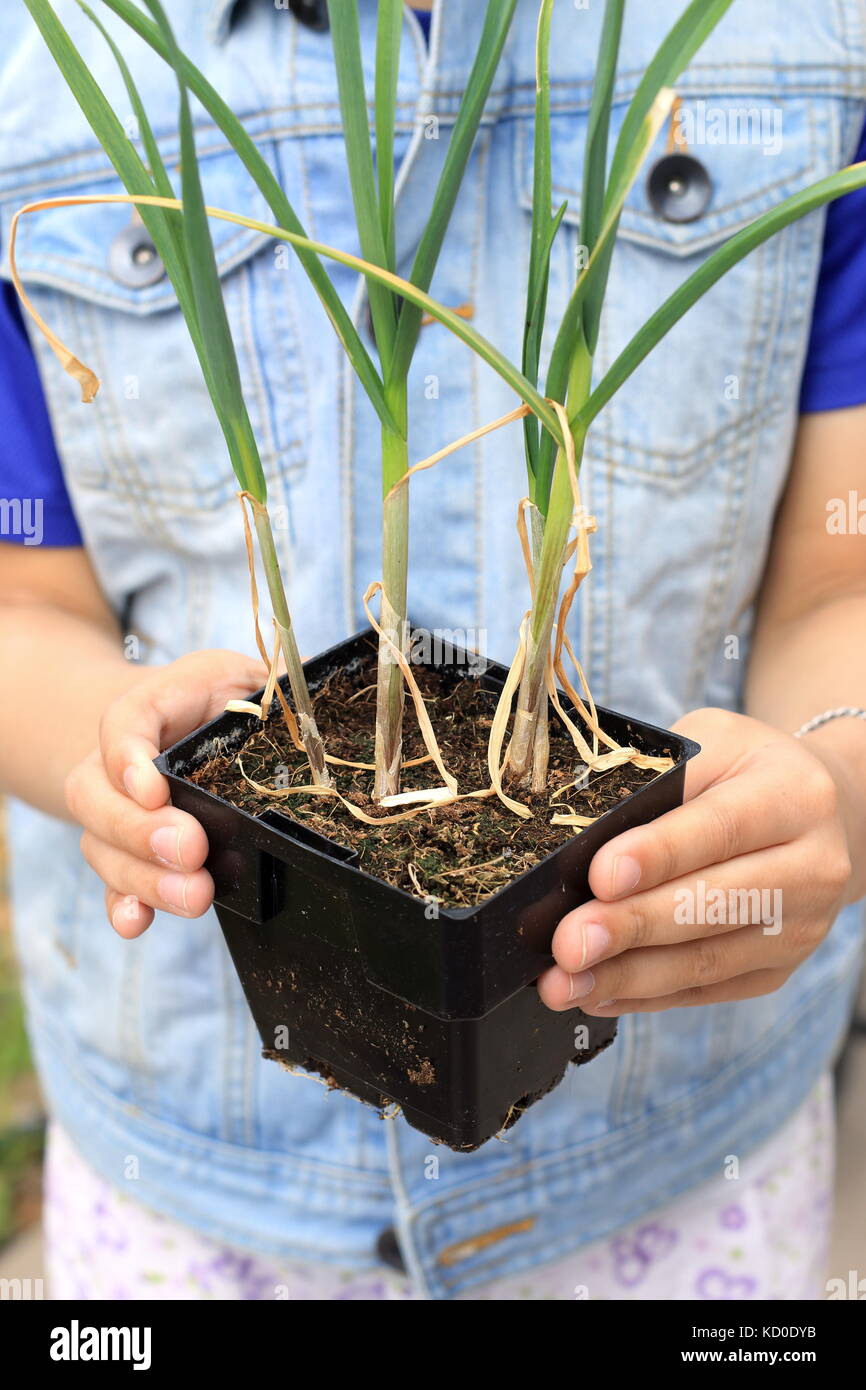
x=130 y=1041
x=740 y=464
x=201 y=1148
x=741 y=427
x=693 y=82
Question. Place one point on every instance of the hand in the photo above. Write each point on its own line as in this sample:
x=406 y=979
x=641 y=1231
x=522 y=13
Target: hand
x=762 y=823
x=148 y=853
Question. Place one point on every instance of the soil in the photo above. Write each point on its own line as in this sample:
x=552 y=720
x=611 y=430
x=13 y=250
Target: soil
x=457 y=854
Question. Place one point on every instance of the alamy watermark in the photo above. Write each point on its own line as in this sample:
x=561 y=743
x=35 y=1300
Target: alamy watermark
x=734 y=907
x=449 y=646
x=21 y=1290
x=460 y=647
x=853 y=1288
x=704 y=124
x=86 y=1343
x=846 y=516
x=21 y=518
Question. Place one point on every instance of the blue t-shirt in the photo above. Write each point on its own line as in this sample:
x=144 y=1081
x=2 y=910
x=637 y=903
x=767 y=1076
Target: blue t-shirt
x=835 y=372
x=29 y=466
x=834 y=375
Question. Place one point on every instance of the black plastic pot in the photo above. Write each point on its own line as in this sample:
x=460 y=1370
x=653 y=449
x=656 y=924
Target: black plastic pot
x=385 y=995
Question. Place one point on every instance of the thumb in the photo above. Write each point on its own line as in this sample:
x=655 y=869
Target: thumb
x=163 y=707
x=726 y=739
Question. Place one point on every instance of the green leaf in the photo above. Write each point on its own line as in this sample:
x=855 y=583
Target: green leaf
x=163 y=227
x=543 y=231
x=388 y=34
x=497 y=23
x=674 y=54
x=536 y=311
x=346 y=38
x=267 y=183
x=159 y=175
x=158 y=172
x=676 y=51
x=569 y=342
x=595 y=158
x=424 y=303
x=225 y=384
x=712 y=270
x=427 y=305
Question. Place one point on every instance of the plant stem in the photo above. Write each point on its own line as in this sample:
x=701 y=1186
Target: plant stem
x=541 y=740
x=527 y=754
x=548 y=575
x=310 y=737
x=393 y=619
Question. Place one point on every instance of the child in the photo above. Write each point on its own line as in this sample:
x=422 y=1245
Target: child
x=678 y=1164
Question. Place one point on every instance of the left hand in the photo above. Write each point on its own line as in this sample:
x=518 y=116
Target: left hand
x=762 y=812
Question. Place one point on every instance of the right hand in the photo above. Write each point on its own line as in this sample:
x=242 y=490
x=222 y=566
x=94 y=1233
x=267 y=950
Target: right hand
x=148 y=853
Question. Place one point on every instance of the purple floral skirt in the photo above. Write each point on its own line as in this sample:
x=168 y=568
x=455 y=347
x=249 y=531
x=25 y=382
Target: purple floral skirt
x=757 y=1230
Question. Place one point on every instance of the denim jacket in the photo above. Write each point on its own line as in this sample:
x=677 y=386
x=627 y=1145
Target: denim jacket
x=147 y=1050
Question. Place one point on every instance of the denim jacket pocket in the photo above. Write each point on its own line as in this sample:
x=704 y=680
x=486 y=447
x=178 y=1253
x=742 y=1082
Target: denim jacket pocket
x=80 y=265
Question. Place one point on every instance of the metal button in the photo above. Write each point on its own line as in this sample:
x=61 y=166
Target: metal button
x=313 y=13
x=679 y=188
x=388 y=1250
x=133 y=260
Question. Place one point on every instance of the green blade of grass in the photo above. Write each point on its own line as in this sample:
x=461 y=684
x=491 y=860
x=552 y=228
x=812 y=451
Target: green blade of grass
x=163 y=227
x=98 y=112
x=497 y=22
x=536 y=311
x=595 y=158
x=461 y=329
x=388 y=34
x=346 y=39
x=510 y=374
x=488 y=353
x=159 y=175
x=536 y=315
x=798 y=205
x=541 y=236
x=674 y=54
x=569 y=344
x=158 y=172
x=713 y=268
x=226 y=392
x=394 y=449
x=227 y=395
x=591 y=217
x=268 y=185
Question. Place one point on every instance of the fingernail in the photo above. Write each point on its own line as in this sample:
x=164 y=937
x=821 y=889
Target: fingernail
x=125 y=912
x=165 y=844
x=130 y=781
x=595 y=942
x=606 y=1004
x=172 y=889
x=625 y=876
x=580 y=985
